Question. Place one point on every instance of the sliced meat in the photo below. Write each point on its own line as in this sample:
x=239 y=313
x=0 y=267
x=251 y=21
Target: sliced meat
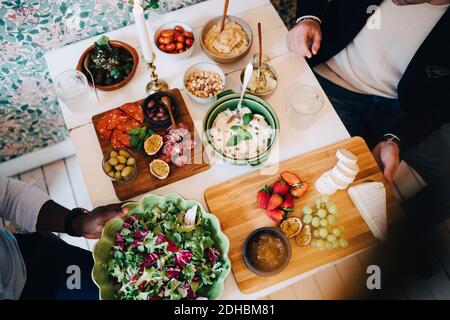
x=128 y=125
x=102 y=127
x=134 y=110
x=120 y=139
x=116 y=118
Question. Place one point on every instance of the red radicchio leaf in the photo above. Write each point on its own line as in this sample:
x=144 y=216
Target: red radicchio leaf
x=196 y=279
x=149 y=260
x=133 y=279
x=160 y=239
x=182 y=257
x=142 y=285
x=171 y=247
x=173 y=272
x=213 y=254
x=190 y=293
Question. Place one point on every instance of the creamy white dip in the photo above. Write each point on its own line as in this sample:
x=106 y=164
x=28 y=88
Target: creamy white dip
x=222 y=131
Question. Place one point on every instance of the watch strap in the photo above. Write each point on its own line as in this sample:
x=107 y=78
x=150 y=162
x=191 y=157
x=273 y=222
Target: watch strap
x=69 y=219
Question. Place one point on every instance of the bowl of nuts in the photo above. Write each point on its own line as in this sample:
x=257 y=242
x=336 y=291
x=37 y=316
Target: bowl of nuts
x=175 y=40
x=204 y=81
x=120 y=165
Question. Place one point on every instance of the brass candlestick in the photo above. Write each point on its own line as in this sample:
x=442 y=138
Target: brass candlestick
x=155 y=84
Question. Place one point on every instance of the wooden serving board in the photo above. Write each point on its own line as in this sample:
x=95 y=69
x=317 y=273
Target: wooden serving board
x=145 y=181
x=234 y=203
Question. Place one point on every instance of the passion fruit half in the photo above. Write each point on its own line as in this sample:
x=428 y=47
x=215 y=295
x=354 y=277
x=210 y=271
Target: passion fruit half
x=159 y=168
x=303 y=238
x=153 y=144
x=291 y=227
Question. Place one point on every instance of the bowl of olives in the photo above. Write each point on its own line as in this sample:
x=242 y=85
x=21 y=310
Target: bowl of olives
x=155 y=109
x=120 y=165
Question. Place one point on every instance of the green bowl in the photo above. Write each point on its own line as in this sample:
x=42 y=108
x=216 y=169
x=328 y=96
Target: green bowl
x=229 y=100
x=103 y=248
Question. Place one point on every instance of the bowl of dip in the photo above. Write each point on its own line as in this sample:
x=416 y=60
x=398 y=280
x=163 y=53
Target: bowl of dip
x=266 y=251
x=263 y=85
x=245 y=137
x=230 y=45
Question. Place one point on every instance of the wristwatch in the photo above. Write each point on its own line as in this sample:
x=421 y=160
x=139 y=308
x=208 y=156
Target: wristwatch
x=69 y=219
x=393 y=138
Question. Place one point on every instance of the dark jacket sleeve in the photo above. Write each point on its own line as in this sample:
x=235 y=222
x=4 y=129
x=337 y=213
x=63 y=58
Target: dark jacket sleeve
x=311 y=8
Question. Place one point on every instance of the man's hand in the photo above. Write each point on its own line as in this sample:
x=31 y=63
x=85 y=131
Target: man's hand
x=90 y=226
x=387 y=154
x=305 y=38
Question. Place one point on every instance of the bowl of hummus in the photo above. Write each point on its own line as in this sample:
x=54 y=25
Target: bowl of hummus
x=244 y=136
x=230 y=45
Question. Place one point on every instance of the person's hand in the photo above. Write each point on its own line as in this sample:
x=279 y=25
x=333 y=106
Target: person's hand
x=387 y=154
x=90 y=226
x=305 y=38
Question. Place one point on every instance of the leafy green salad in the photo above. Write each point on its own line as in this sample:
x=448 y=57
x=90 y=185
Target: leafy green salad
x=164 y=253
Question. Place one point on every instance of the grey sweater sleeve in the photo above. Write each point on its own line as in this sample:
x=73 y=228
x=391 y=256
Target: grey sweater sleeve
x=20 y=203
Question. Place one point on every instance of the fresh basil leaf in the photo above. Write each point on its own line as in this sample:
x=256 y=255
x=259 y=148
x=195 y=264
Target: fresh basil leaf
x=134 y=141
x=234 y=140
x=247 y=118
x=244 y=134
x=103 y=41
x=134 y=131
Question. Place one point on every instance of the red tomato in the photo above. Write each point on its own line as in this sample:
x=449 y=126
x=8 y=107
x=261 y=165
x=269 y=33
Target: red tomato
x=180 y=46
x=165 y=40
x=162 y=47
x=170 y=47
x=180 y=39
x=179 y=28
x=189 y=42
x=188 y=34
x=167 y=33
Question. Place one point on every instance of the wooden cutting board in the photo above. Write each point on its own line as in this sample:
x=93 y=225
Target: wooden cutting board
x=234 y=203
x=144 y=181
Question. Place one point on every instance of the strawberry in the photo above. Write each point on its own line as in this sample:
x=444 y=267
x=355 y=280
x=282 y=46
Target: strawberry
x=280 y=187
x=262 y=197
x=274 y=202
x=299 y=190
x=288 y=203
x=276 y=215
x=290 y=178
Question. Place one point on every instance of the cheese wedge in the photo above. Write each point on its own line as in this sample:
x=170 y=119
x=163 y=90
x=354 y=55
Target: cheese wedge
x=370 y=200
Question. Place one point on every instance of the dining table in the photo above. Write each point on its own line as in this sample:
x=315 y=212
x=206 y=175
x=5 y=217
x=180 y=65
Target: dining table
x=292 y=70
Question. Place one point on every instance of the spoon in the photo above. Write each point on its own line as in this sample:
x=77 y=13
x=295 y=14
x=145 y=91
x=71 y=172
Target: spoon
x=225 y=10
x=85 y=64
x=168 y=103
x=247 y=76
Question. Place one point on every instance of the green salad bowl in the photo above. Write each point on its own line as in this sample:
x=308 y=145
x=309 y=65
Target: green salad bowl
x=103 y=248
x=230 y=100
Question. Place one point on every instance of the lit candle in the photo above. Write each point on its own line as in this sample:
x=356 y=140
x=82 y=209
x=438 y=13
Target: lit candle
x=144 y=39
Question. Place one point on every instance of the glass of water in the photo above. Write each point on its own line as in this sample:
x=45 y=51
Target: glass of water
x=305 y=104
x=73 y=89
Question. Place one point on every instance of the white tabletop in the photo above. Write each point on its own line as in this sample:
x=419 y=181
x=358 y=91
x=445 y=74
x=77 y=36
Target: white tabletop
x=291 y=68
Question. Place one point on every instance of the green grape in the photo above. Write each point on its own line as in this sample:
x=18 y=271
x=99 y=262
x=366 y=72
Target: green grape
x=343 y=243
x=307 y=219
x=337 y=232
x=315 y=222
x=318 y=202
x=332 y=209
x=323 y=232
x=320 y=243
x=325 y=198
x=328 y=245
x=331 y=219
x=323 y=222
x=307 y=210
x=322 y=213
x=335 y=244
x=331 y=238
x=316 y=233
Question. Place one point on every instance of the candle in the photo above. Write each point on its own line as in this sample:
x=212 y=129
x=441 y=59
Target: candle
x=144 y=40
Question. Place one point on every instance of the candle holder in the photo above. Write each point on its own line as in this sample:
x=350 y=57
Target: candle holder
x=155 y=84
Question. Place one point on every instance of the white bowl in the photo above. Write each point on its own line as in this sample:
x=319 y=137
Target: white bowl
x=204 y=66
x=174 y=56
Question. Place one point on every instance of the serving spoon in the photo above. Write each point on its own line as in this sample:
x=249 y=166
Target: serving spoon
x=224 y=16
x=86 y=64
x=247 y=76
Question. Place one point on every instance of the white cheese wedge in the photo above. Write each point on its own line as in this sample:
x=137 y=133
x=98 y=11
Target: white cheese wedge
x=370 y=200
x=323 y=186
x=348 y=168
x=346 y=156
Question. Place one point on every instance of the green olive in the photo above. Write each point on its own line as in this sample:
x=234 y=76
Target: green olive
x=126 y=171
x=122 y=159
x=107 y=167
x=119 y=167
x=113 y=161
x=124 y=153
x=131 y=162
x=111 y=174
x=118 y=175
x=113 y=154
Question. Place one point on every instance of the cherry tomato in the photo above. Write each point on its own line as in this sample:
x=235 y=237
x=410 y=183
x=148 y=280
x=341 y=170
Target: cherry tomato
x=165 y=40
x=166 y=33
x=188 y=34
x=180 y=39
x=179 y=28
x=162 y=47
x=180 y=46
x=189 y=42
x=170 y=47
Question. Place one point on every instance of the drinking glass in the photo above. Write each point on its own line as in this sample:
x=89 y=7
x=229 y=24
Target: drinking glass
x=73 y=89
x=305 y=104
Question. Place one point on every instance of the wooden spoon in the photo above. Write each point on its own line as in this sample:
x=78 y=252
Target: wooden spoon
x=260 y=79
x=168 y=103
x=225 y=10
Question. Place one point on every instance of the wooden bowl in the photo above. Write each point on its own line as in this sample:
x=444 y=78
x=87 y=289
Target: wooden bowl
x=228 y=59
x=120 y=84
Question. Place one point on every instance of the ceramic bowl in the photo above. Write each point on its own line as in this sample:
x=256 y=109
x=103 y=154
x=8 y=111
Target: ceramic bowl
x=229 y=100
x=158 y=96
x=174 y=56
x=103 y=248
x=120 y=84
x=228 y=59
x=264 y=95
x=204 y=66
